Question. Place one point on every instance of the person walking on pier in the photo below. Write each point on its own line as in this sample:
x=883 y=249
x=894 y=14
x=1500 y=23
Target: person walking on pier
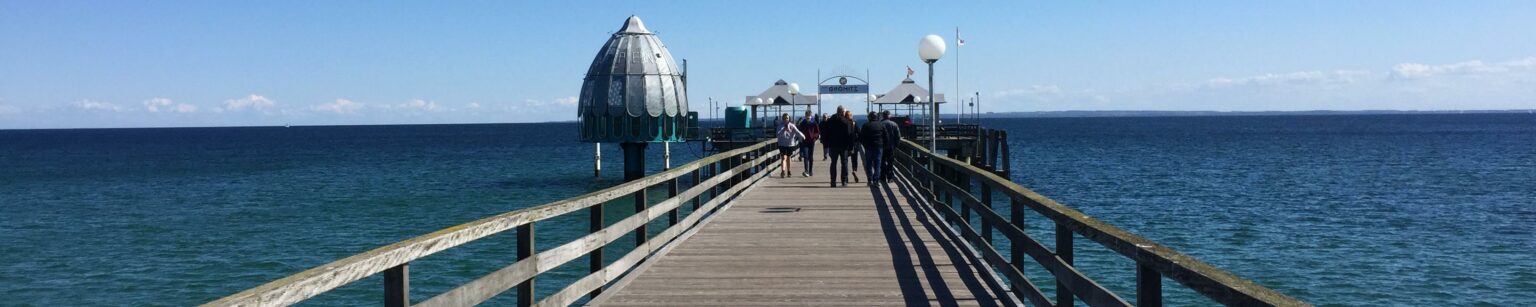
x=821 y=122
x=808 y=126
x=872 y=136
x=892 y=138
x=789 y=141
x=855 y=148
x=836 y=135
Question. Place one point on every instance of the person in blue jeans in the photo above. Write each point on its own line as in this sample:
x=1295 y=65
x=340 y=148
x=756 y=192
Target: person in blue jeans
x=872 y=136
x=812 y=130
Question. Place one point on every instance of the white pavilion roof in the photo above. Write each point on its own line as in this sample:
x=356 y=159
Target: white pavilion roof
x=778 y=94
x=908 y=92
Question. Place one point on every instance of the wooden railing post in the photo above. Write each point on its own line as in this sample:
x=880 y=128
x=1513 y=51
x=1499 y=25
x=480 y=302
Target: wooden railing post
x=714 y=170
x=595 y=258
x=1063 y=250
x=1016 y=216
x=397 y=286
x=641 y=232
x=731 y=164
x=672 y=192
x=1149 y=287
x=697 y=200
x=964 y=183
x=1016 y=248
x=986 y=202
x=525 y=250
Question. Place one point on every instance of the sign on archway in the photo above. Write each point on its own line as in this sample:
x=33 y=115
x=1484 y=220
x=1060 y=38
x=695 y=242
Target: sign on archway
x=842 y=86
x=838 y=85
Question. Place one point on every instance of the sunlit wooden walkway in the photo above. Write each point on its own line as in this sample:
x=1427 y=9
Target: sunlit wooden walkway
x=791 y=241
x=797 y=241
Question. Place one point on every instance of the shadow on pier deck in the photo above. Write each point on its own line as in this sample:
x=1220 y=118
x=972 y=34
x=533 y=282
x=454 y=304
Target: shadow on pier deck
x=797 y=241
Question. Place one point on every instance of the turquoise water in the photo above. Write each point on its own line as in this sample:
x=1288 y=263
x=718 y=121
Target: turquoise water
x=1351 y=210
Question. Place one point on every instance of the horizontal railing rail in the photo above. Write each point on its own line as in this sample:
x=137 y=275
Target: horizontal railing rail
x=729 y=173
x=947 y=130
x=947 y=185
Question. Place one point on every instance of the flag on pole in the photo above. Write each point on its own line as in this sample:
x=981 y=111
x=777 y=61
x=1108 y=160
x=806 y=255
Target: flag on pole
x=909 y=71
x=958 y=41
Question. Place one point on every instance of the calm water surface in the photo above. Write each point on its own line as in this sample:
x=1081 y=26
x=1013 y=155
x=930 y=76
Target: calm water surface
x=1348 y=210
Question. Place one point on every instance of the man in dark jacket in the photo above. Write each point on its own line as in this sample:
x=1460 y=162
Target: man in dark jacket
x=872 y=135
x=836 y=135
x=892 y=139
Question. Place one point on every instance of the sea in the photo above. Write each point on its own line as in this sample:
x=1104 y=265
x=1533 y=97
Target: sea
x=1347 y=210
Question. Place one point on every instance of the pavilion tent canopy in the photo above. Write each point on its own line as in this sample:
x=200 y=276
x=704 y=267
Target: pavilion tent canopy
x=908 y=92
x=779 y=95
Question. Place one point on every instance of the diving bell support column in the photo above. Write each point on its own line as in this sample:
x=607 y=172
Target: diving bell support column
x=634 y=160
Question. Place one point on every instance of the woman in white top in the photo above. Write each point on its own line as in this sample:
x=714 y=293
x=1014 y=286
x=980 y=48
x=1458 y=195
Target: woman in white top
x=789 y=142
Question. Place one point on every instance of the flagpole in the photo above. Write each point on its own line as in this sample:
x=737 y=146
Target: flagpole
x=959 y=106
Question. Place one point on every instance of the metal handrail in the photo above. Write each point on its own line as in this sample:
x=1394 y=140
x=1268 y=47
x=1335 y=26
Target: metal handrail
x=742 y=167
x=1153 y=261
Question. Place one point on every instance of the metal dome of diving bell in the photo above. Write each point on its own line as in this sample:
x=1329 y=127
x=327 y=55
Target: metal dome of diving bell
x=634 y=95
x=634 y=91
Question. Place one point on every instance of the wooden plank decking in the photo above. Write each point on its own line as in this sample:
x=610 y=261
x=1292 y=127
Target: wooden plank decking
x=854 y=245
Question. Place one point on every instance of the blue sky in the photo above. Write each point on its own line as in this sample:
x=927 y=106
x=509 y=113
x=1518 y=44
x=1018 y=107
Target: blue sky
x=67 y=64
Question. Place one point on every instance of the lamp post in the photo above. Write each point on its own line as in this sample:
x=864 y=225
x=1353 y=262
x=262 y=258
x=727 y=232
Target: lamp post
x=794 y=89
x=870 y=104
x=930 y=49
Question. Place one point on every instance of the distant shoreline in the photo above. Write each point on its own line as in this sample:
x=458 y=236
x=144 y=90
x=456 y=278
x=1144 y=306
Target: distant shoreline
x=988 y=115
x=1045 y=114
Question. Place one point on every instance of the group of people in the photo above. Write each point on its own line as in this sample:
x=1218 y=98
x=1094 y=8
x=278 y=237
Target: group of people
x=843 y=140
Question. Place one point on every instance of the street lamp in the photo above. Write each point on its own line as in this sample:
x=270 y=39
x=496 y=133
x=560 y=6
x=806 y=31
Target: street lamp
x=930 y=49
x=870 y=104
x=794 y=89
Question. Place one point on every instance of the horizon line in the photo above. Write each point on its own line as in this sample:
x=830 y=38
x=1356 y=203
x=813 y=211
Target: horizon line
x=1008 y=114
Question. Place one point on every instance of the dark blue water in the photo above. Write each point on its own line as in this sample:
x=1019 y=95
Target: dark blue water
x=1353 y=210
x=1350 y=210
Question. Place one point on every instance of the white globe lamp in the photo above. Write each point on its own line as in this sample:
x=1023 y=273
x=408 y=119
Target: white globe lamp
x=930 y=49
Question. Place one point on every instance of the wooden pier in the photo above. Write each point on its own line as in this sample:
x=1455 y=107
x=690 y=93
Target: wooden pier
x=798 y=241
x=736 y=236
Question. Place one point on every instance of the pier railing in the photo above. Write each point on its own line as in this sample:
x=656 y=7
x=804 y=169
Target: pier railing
x=720 y=176
x=949 y=188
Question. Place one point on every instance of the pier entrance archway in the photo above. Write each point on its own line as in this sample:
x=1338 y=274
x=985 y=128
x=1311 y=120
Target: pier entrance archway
x=844 y=85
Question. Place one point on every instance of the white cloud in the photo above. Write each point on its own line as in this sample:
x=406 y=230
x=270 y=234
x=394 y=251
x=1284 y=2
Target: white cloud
x=423 y=105
x=157 y=104
x=92 y=105
x=473 y=105
x=566 y=101
x=1474 y=67
x=560 y=103
x=154 y=104
x=339 y=106
x=1050 y=97
x=1032 y=90
x=1293 y=78
x=8 y=109
x=1409 y=86
x=254 y=102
